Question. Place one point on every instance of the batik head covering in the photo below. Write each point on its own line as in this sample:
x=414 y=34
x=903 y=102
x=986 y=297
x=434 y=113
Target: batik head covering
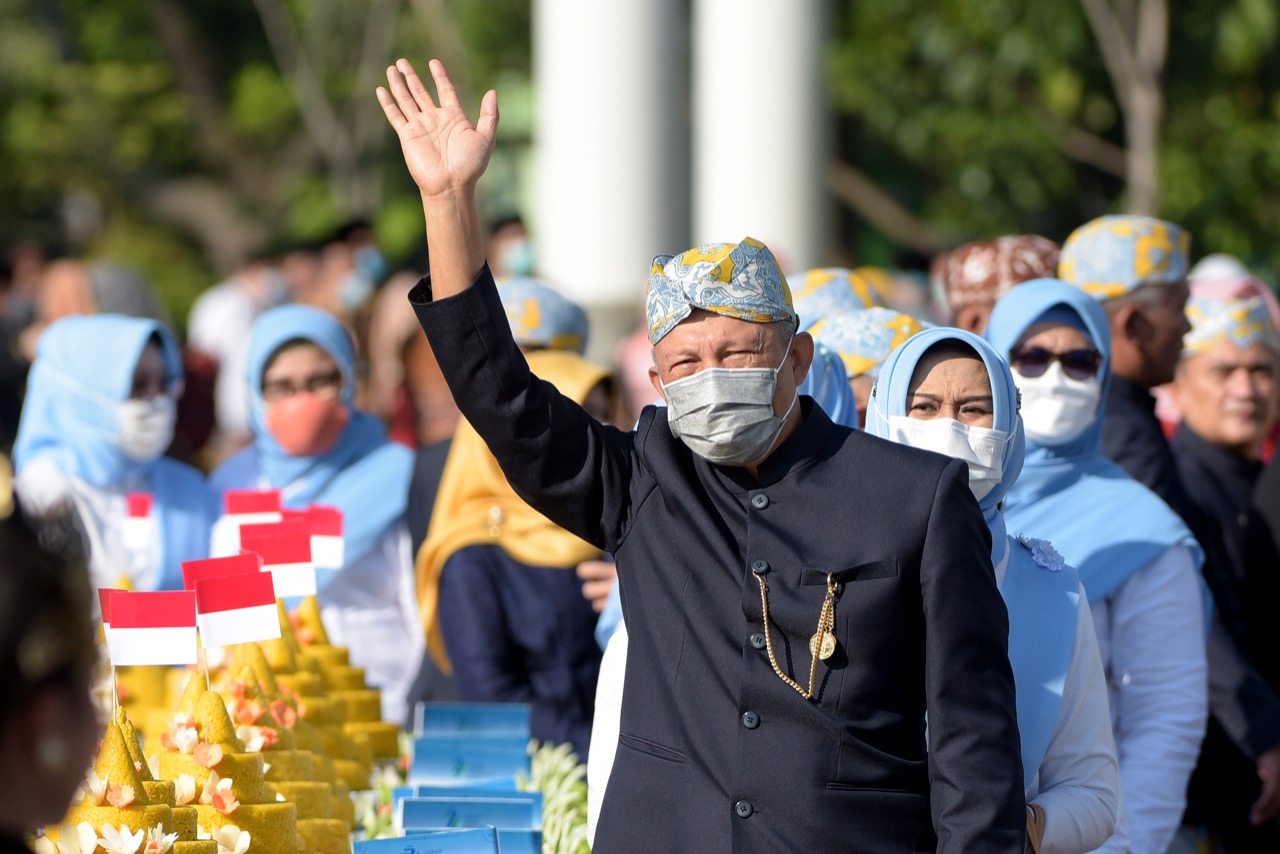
x=1114 y=255
x=984 y=271
x=1243 y=322
x=541 y=318
x=739 y=280
x=364 y=474
x=1235 y=287
x=827 y=291
x=1104 y=522
x=865 y=338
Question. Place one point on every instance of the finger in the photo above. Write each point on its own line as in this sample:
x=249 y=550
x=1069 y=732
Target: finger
x=408 y=104
x=390 y=108
x=1268 y=804
x=419 y=89
x=487 y=124
x=444 y=87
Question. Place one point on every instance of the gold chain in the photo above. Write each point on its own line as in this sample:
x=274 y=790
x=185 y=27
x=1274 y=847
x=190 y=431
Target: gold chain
x=823 y=640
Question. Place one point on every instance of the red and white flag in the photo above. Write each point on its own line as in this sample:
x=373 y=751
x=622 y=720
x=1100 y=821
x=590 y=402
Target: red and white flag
x=217 y=567
x=151 y=628
x=139 y=528
x=104 y=605
x=286 y=553
x=243 y=507
x=328 y=548
x=235 y=609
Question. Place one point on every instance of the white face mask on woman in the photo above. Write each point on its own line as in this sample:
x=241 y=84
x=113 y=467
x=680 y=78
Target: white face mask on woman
x=725 y=415
x=146 y=427
x=1057 y=409
x=982 y=448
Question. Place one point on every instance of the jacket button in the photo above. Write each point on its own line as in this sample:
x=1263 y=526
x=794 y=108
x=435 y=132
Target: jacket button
x=750 y=720
x=760 y=501
x=743 y=809
x=760 y=567
x=757 y=640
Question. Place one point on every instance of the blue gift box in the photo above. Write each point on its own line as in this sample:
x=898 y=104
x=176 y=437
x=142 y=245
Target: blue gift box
x=482 y=840
x=465 y=719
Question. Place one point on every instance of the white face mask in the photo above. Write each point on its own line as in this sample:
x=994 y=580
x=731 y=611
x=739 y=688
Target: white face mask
x=1055 y=408
x=725 y=415
x=146 y=427
x=982 y=448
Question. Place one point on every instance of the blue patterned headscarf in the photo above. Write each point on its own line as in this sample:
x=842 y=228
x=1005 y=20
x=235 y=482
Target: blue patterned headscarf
x=828 y=385
x=541 y=317
x=739 y=280
x=828 y=291
x=864 y=339
x=1104 y=522
x=1114 y=255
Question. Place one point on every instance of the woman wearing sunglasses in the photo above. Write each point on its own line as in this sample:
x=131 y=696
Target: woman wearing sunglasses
x=946 y=390
x=1137 y=561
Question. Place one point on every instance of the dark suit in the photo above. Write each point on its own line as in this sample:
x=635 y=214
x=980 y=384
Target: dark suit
x=716 y=752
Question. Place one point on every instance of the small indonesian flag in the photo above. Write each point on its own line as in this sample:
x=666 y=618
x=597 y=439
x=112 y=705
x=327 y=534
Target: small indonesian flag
x=235 y=609
x=151 y=628
x=104 y=604
x=328 y=548
x=286 y=552
x=139 y=529
x=217 y=567
x=243 y=507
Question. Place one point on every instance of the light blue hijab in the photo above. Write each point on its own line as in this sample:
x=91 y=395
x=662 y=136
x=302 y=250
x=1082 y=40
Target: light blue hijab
x=828 y=384
x=1106 y=523
x=365 y=474
x=1043 y=603
x=83 y=371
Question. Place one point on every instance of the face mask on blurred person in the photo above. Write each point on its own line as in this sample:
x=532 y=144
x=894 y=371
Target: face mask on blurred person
x=145 y=427
x=517 y=258
x=307 y=425
x=982 y=448
x=1057 y=409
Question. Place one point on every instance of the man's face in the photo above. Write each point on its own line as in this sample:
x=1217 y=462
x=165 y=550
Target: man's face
x=1227 y=395
x=1168 y=324
x=705 y=340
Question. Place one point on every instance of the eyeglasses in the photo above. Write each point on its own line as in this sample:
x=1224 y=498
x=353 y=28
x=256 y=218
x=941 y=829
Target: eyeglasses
x=325 y=385
x=1032 y=362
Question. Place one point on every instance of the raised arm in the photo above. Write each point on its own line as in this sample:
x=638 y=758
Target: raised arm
x=446 y=156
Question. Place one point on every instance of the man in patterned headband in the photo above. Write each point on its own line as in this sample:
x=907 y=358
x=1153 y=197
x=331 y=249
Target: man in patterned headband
x=1226 y=388
x=789 y=626
x=975 y=275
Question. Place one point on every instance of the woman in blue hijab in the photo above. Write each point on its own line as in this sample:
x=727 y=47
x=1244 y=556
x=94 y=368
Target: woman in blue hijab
x=311 y=443
x=946 y=390
x=99 y=413
x=1139 y=564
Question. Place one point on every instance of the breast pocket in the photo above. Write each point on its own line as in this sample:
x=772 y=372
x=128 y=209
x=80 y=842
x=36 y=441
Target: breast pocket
x=866 y=571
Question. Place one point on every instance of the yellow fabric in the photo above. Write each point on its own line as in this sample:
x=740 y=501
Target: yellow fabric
x=476 y=506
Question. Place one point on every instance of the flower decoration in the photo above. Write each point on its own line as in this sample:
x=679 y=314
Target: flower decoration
x=95 y=789
x=77 y=838
x=206 y=796
x=184 y=789
x=231 y=839
x=284 y=714
x=224 y=800
x=44 y=845
x=153 y=763
x=1043 y=553
x=207 y=755
x=246 y=712
x=257 y=738
x=121 y=841
x=181 y=738
x=159 y=842
x=120 y=796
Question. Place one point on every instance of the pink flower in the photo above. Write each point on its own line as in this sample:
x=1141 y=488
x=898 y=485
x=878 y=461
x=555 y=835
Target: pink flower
x=120 y=796
x=159 y=842
x=224 y=800
x=206 y=796
x=284 y=715
x=207 y=755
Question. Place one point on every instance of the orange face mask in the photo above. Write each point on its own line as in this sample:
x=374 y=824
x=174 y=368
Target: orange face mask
x=306 y=425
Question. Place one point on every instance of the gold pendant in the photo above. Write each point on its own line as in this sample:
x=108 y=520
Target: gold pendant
x=822 y=645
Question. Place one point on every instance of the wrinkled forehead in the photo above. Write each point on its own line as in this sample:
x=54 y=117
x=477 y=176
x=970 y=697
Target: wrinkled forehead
x=705 y=330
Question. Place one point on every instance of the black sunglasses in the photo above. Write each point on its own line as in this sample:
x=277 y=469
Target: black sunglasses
x=1032 y=362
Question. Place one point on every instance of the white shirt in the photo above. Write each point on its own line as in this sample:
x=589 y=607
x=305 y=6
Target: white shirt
x=1077 y=784
x=1151 y=637
x=606 y=724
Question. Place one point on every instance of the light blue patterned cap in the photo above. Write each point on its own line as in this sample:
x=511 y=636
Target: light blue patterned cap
x=740 y=280
x=1113 y=255
x=542 y=318
x=864 y=339
x=828 y=291
x=1243 y=322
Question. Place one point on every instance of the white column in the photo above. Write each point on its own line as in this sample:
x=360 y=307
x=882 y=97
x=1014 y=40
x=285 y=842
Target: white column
x=611 y=146
x=761 y=128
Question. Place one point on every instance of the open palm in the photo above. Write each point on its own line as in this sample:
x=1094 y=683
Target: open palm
x=442 y=149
